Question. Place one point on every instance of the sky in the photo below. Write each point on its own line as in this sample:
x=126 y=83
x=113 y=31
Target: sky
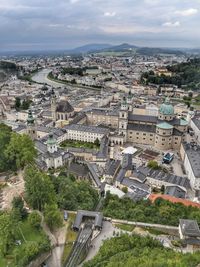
x=65 y=24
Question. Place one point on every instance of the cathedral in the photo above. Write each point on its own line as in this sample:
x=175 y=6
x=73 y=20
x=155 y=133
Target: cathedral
x=163 y=131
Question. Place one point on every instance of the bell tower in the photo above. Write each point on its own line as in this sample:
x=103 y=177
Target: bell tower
x=31 y=129
x=51 y=144
x=53 y=105
x=123 y=118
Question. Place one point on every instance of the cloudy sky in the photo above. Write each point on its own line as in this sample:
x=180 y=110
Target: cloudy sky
x=63 y=24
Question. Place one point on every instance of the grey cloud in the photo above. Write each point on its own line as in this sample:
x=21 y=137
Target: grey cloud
x=55 y=24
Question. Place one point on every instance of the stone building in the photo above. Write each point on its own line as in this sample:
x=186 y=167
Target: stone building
x=61 y=110
x=50 y=155
x=163 y=131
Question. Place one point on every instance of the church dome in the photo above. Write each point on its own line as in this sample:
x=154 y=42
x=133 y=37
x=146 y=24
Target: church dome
x=51 y=140
x=166 y=108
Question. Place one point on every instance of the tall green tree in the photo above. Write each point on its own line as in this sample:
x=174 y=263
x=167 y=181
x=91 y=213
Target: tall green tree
x=20 y=150
x=52 y=216
x=39 y=189
x=8 y=228
x=18 y=207
x=35 y=219
x=5 y=135
x=17 y=103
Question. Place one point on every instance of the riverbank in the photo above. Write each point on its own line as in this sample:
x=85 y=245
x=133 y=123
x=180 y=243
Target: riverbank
x=50 y=77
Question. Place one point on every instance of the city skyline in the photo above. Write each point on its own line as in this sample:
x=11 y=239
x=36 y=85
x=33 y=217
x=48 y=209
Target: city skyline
x=54 y=25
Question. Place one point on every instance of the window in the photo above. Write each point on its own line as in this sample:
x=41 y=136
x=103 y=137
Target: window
x=144 y=134
x=151 y=134
x=137 y=133
x=163 y=139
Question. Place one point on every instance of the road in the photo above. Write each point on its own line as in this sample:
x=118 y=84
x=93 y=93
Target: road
x=56 y=256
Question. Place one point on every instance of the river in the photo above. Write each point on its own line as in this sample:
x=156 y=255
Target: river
x=41 y=77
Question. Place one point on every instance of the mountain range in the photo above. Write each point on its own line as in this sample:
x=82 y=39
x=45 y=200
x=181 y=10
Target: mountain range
x=125 y=47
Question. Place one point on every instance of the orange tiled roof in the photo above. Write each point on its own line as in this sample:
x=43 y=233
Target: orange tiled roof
x=185 y=202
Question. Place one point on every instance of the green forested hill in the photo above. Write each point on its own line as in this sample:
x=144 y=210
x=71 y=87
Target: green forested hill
x=137 y=251
x=183 y=74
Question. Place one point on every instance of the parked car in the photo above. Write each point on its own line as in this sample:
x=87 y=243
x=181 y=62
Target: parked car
x=65 y=215
x=167 y=158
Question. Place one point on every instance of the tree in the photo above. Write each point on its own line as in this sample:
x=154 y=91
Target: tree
x=20 y=150
x=18 y=207
x=125 y=189
x=35 y=219
x=162 y=189
x=190 y=95
x=96 y=142
x=25 y=104
x=74 y=195
x=153 y=164
x=17 y=103
x=39 y=189
x=52 y=216
x=8 y=232
x=5 y=135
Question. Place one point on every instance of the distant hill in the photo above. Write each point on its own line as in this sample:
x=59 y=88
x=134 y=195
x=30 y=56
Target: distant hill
x=150 y=51
x=120 y=48
x=89 y=48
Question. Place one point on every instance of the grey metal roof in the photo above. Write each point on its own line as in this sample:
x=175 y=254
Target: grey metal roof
x=112 y=166
x=64 y=106
x=127 y=162
x=196 y=121
x=113 y=112
x=175 y=191
x=78 y=118
x=85 y=128
x=40 y=146
x=142 y=127
x=137 y=195
x=177 y=132
x=98 y=218
x=133 y=184
x=193 y=154
x=95 y=173
x=138 y=175
x=120 y=175
x=143 y=118
x=78 y=169
x=103 y=150
x=166 y=177
x=189 y=228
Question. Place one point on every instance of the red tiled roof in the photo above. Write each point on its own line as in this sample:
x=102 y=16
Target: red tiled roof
x=185 y=202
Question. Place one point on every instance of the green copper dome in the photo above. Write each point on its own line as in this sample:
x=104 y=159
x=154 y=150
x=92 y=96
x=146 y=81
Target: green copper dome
x=165 y=126
x=51 y=140
x=166 y=108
